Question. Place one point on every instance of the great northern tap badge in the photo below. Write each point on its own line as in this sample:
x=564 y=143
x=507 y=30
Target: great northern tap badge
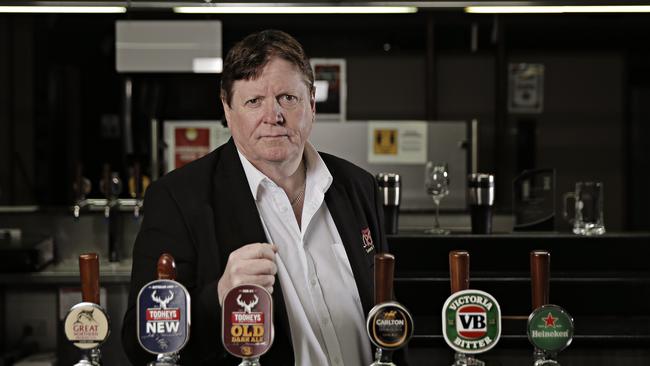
x=471 y=321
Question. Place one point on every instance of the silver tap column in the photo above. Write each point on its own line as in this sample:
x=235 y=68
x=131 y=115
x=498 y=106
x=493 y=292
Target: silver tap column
x=390 y=195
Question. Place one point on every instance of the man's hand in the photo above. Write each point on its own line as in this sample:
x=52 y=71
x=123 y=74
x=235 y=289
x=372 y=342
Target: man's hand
x=252 y=264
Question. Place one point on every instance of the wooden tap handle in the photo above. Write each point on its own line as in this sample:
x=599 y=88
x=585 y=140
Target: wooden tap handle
x=89 y=273
x=166 y=267
x=459 y=270
x=384 y=272
x=540 y=263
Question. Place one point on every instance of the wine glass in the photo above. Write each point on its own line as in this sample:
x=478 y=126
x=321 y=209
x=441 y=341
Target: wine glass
x=436 y=181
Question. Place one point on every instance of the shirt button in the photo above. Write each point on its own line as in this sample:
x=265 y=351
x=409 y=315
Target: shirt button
x=313 y=281
x=337 y=360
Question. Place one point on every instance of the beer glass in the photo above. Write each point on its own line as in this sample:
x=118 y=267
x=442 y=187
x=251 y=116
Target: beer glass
x=436 y=182
x=588 y=218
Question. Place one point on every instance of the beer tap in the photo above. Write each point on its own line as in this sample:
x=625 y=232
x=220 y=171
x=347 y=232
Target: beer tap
x=163 y=315
x=138 y=184
x=471 y=318
x=550 y=327
x=111 y=187
x=389 y=324
x=87 y=325
x=459 y=279
x=81 y=187
x=247 y=323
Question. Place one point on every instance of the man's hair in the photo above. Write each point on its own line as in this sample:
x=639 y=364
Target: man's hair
x=248 y=57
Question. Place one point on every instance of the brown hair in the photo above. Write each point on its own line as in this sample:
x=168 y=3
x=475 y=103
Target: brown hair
x=248 y=57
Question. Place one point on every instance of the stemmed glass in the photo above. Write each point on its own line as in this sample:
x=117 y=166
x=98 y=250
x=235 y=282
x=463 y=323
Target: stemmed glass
x=436 y=181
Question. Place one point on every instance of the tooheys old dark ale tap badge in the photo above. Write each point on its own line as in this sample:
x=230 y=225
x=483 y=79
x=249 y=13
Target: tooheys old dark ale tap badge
x=247 y=323
x=163 y=317
x=471 y=321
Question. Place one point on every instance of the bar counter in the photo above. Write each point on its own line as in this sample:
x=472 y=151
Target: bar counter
x=602 y=281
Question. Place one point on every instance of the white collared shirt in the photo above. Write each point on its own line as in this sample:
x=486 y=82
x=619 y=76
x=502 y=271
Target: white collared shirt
x=323 y=305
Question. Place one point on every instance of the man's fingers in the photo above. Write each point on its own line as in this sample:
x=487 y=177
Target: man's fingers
x=254 y=267
x=255 y=251
x=265 y=281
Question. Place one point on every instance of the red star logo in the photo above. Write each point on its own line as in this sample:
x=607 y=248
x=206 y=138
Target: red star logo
x=550 y=320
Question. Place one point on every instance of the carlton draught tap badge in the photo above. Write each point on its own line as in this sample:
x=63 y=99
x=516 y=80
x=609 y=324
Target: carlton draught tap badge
x=550 y=328
x=389 y=325
x=86 y=325
x=471 y=321
x=247 y=321
x=163 y=316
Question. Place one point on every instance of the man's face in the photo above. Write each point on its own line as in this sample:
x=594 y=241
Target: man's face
x=271 y=117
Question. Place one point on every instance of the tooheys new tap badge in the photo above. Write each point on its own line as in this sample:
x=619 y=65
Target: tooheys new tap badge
x=471 y=321
x=163 y=316
x=247 y=321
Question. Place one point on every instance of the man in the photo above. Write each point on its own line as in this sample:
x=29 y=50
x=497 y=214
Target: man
x=217 y=216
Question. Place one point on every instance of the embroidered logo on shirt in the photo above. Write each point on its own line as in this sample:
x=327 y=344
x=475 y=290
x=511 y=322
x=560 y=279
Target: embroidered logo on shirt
x=367 y=240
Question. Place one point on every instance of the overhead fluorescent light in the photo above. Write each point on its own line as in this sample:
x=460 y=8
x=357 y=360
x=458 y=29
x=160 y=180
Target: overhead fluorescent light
x=207 y=65
x=211 y=9
x=558 y=9
x=62 y=9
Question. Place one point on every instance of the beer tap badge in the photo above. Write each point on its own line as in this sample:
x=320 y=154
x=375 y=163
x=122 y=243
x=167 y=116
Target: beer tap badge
x=550 y=328
x=247 y=321
x=389 y=325
x=471 y=321
x=163 y=316
x=87 y=325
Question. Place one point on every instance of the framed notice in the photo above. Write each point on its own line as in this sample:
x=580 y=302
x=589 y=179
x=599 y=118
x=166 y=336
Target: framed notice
x=186 y=141
x=397 y=142
x=331 y=88
x=525 y=88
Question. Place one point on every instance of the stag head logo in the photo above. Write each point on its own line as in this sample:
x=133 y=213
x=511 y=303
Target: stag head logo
x=162 y=302
x=248 y=308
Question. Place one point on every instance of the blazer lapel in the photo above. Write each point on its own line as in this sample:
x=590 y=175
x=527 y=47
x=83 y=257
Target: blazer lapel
x=237 y=220
x=338 y=203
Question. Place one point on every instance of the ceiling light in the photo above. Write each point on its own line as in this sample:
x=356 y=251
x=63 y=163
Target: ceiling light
x=62 y=9
x=558 y=9
x=295 y=9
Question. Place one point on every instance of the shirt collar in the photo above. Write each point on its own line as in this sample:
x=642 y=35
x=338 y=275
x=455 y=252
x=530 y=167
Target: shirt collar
x=318 y=176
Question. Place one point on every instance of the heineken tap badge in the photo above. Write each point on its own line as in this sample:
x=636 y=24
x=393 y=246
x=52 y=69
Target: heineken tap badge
x=550 y=327
x=389 y=324
x=471 y=319
x=163 y=315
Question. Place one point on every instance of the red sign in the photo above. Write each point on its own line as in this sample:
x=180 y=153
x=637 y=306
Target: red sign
x=190 y=144
x=163 y=314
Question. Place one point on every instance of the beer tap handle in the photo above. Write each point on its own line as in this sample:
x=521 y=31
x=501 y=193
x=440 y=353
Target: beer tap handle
x=166 y=267
x=539 y=275
x=89 y=272
x=384 y=272
x=459 y=270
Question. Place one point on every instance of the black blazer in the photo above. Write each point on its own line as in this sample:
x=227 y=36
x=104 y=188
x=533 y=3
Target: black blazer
x=202 y=212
